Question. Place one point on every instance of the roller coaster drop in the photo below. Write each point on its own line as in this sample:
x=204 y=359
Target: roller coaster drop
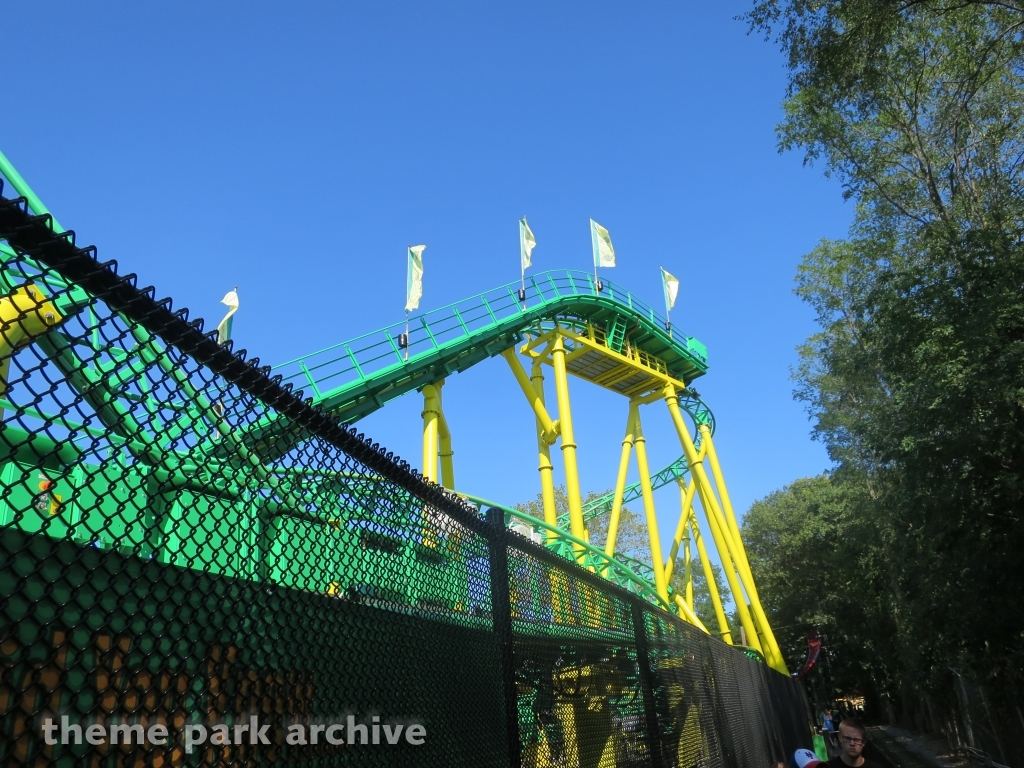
x=565 y=324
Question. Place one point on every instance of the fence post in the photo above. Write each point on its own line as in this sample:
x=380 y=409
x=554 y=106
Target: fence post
x=643 y=661
x=501 y=611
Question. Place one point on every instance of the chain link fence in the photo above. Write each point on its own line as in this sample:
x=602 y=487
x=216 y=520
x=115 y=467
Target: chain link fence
x=198 y=567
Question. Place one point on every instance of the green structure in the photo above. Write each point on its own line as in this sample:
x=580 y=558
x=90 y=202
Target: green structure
x=185 y=536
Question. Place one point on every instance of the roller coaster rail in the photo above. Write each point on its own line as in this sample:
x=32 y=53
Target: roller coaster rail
x=186 y=536
x=597 y=321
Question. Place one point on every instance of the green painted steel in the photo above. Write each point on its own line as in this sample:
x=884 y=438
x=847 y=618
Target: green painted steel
x=355 y=378
x=628 y=573
x=359 y=376
x=183 y=443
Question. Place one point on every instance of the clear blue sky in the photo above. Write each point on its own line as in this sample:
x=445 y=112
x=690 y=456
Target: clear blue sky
x=296 y=149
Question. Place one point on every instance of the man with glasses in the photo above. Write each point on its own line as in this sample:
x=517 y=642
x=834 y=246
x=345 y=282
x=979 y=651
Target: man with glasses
x=852 y=740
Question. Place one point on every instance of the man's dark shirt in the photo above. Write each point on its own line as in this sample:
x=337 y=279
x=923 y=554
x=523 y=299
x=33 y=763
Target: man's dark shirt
x=837 y=762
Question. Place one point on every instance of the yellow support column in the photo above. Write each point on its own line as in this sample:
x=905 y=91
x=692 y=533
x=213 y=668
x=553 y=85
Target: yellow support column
x=682 y=528
x=688 y=571
x=620 y=480
x=534 y=397
x=682 y=537
x=744 y=564
x=687 y=559
x=640 y=443
x=721 y=540
x=547 y=480
x=709 y=577
x=431 y=414
x=572 y=478
x=444 y=443
x=687 y=613
x=431 y=418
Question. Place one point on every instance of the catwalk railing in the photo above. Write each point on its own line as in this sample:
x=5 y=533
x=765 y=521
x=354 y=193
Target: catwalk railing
x=160 y=576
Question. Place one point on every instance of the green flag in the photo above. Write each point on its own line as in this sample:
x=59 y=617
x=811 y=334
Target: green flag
x=527 y=242
x=224 y=327
x=414 y=278
x=604 y=253
x=671 y=288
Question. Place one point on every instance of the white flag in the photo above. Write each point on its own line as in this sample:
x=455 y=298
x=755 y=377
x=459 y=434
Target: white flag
x=527 y=242
x=224 y=327
x=414 y=278
x=671 y=287
x=604 y=253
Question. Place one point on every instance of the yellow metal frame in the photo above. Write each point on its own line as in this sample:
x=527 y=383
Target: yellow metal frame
x=572 y=477
x=727 y=539
x=547 y=480
x=549 y=429
x=643 y=469
x=687 y=492
x=25 y=313
x=444 y=441
x=561 y=347
x=743 y=563
x=620 y=481
x=437 y=438
x=709 y=577
x=431 y=416
x=628 y=363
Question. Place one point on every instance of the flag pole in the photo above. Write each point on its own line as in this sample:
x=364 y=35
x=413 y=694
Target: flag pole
x=668 y=309
x=408 y=266
x=522 y=266
x=593 y=247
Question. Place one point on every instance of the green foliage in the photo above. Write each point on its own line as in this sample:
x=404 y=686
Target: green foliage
x=817 y=551
x=915 y=381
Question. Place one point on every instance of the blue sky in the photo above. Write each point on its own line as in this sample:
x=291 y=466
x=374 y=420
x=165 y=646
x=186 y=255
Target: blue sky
x=295 y=150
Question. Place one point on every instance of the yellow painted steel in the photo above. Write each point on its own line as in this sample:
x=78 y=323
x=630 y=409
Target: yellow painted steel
x=721 y=539
x=547 y=481
x=549 y=428
x=640 y=444
x=444 y=440
x=620 y=480
x=431 y=414
x=569 y=351
x=682 y=527
x=742 y=562
x=687 y=554
x=25 y=313
x=652 y=370
x=561 y=598
x=431 y=418
x=583 y=695
x=687 y=613
x=720 y=534
x=572 y=478
x=709 y=577
x=688 y=571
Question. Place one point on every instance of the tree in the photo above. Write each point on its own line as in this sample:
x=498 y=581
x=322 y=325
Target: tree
x=813 y=547
x=915 y=381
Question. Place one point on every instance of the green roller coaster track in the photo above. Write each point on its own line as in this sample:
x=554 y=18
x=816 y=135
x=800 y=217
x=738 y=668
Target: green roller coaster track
x=351 y=380
x=357 y=377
